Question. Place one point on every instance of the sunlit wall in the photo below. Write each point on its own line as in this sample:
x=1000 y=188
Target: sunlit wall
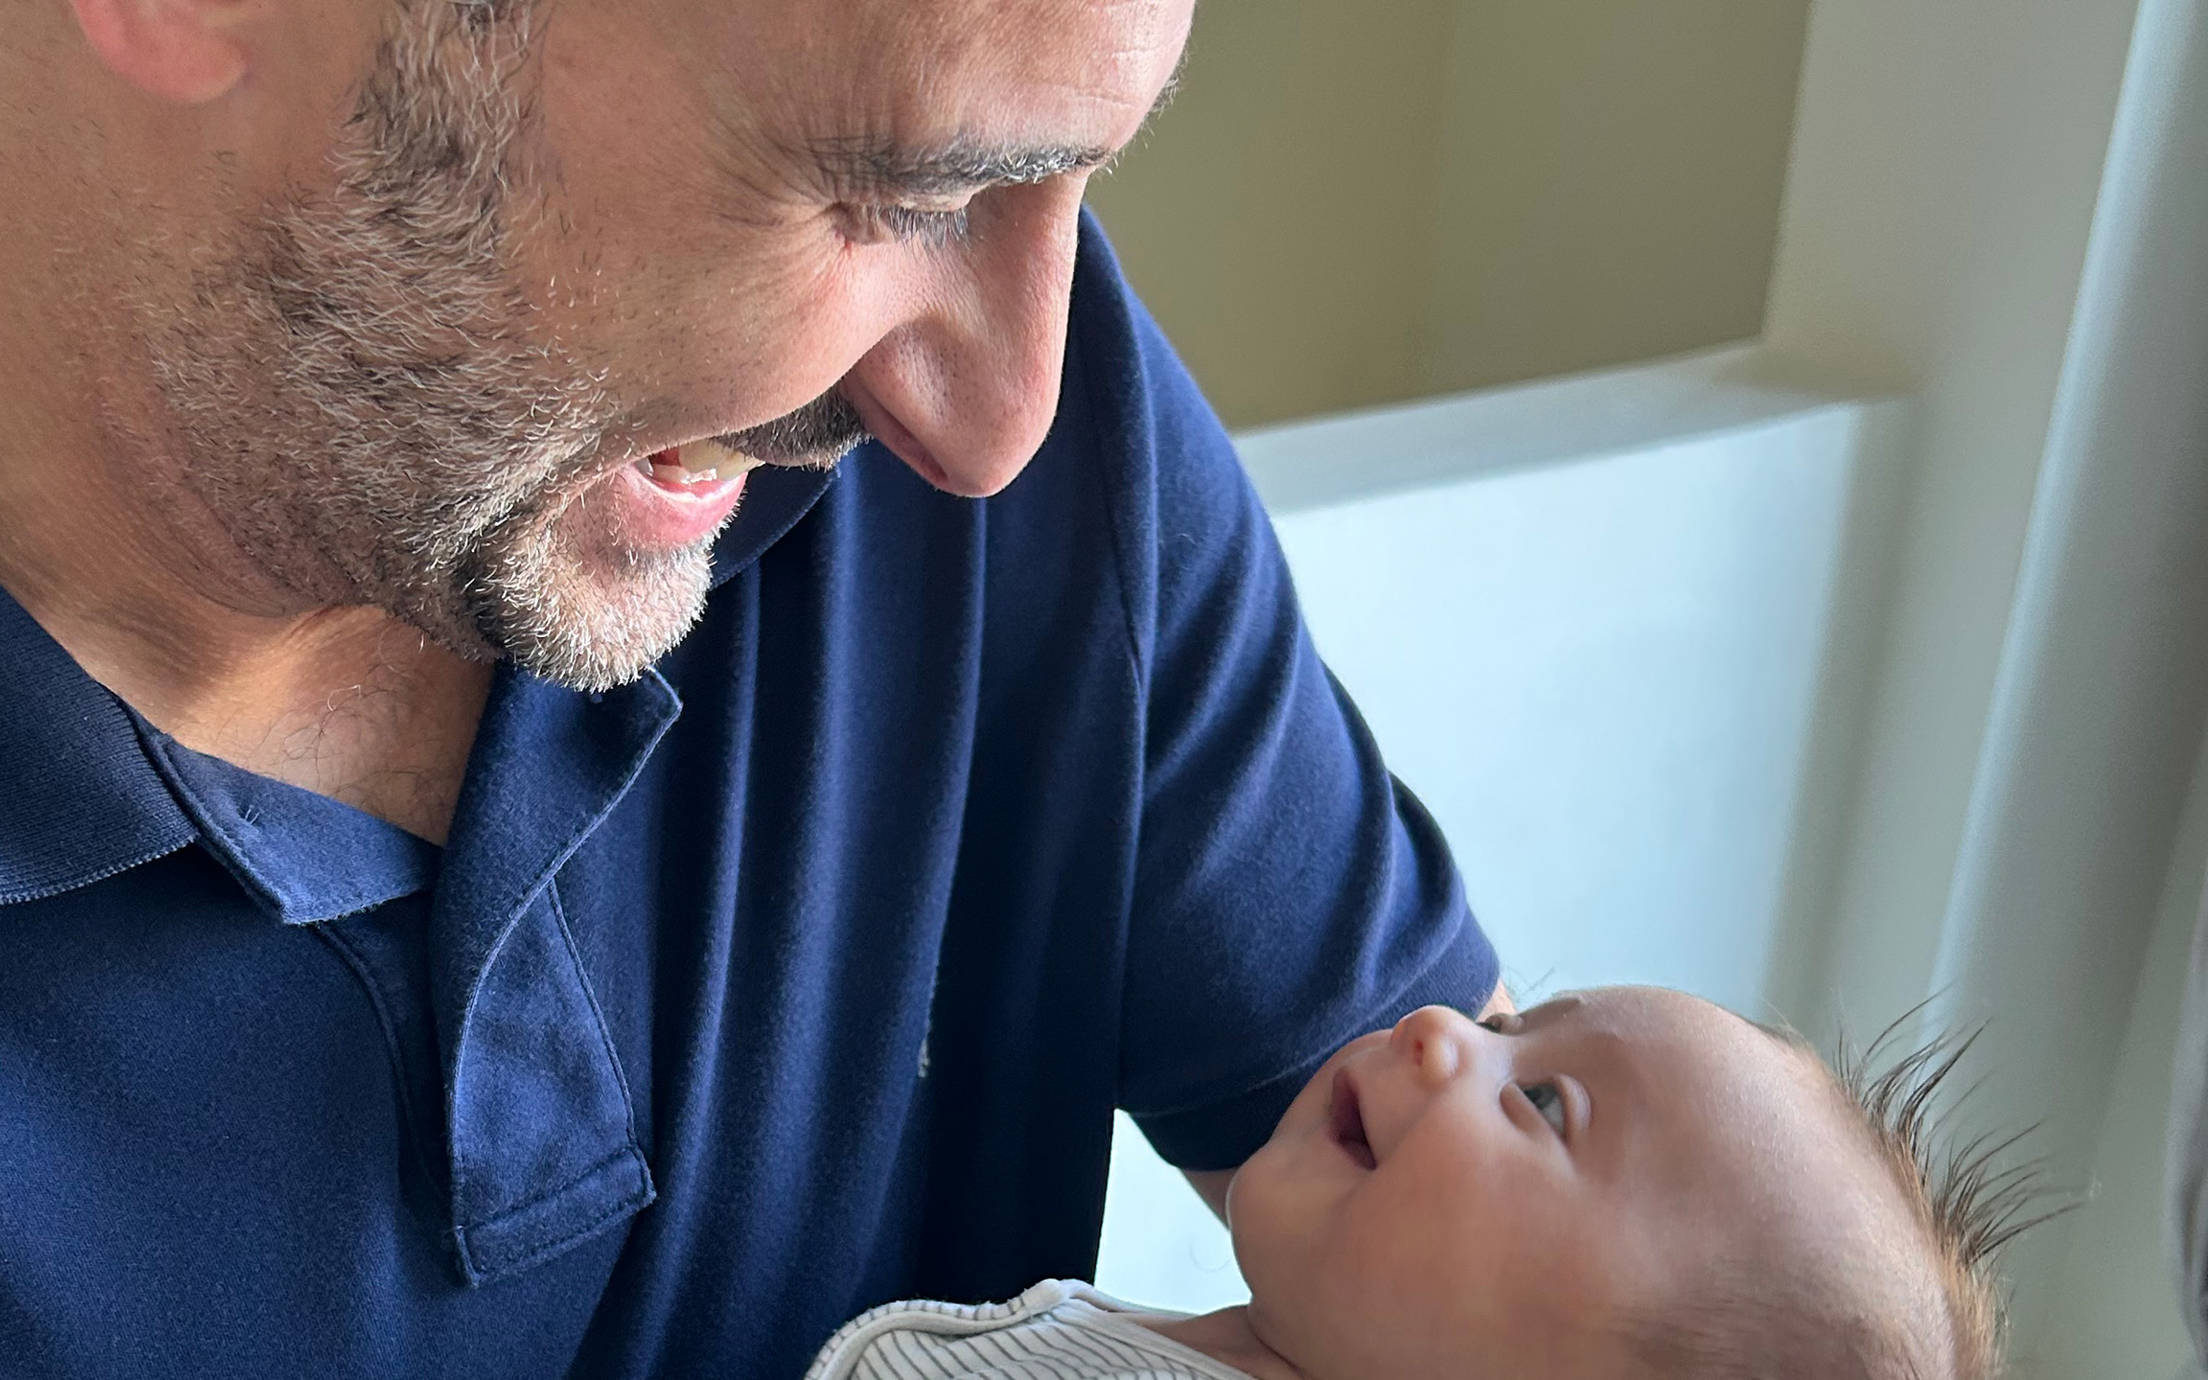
x=1355 y=203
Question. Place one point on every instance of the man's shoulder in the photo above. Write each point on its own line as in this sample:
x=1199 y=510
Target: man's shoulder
x=1126 y=392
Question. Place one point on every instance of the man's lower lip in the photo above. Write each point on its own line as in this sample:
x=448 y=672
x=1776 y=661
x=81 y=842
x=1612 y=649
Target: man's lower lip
x=658 y=514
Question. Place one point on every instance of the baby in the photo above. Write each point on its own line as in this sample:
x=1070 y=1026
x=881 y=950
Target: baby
x=1621 y=1182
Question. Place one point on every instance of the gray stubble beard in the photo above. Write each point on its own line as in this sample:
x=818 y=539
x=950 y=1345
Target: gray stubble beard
x=357 y=394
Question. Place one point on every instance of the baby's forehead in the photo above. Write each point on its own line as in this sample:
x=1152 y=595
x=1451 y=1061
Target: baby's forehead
x=1689 y=1070
x=1660 y=1014
x=1743 y=1145
x=1666 y=1066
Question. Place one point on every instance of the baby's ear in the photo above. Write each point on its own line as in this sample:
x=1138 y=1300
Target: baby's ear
x=186 y=51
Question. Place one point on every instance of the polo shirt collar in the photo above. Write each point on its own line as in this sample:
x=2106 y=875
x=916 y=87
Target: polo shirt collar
x=775 y=497
x=302 y=857
x=541 y=1147
x=82 y=802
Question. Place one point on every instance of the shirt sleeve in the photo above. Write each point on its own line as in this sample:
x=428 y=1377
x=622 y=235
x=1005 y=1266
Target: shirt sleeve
x=1290 y=894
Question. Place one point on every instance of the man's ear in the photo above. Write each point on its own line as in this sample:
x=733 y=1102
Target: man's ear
x=188 y=51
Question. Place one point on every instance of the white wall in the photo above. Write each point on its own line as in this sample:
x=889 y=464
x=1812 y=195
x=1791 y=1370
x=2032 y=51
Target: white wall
x=2112 y=1309
x=1947 y=163
x=1602 y=676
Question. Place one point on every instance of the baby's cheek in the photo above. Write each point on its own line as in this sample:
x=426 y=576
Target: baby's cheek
x=1287 y=1236
x=1378 y=1302
x=1307 y=1301
x=1260 y=1209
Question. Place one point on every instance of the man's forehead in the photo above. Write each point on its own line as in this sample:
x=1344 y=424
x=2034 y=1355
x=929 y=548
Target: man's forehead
x=1088 y=33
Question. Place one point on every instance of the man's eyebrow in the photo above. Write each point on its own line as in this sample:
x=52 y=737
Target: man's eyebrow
x=881 y=167
x=884 y=169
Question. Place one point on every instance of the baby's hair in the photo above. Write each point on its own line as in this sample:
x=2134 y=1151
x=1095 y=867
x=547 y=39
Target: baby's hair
x=1753 y=1326
x=1969 y=1203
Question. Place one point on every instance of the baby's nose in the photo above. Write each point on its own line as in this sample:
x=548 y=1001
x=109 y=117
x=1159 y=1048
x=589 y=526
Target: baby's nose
x=1427 y=1038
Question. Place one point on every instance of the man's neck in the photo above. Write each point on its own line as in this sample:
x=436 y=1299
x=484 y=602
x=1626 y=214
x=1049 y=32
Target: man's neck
x=1226 y=1337
x=347 y=703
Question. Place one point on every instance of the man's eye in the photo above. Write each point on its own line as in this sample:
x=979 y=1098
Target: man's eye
x=910 y=224
x=1547 y=1101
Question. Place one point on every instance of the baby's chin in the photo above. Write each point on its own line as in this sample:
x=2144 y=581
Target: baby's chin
x=1341 y=1345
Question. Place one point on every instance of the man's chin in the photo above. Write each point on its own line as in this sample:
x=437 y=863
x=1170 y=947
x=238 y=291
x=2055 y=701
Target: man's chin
x=588 y=623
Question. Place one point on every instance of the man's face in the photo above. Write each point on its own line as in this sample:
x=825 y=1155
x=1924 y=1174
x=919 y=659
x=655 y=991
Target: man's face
x=466 y=356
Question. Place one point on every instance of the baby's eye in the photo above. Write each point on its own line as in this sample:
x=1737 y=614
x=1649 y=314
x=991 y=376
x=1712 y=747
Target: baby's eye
x=1547 y=1101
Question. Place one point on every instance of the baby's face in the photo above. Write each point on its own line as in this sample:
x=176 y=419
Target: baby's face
x=1453 y=1199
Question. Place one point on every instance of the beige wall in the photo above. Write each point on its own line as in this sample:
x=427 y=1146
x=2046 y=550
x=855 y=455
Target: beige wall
x=1356 y=203
x=1279 y=216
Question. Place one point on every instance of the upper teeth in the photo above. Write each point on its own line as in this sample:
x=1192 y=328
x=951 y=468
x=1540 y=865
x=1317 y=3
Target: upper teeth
x=699 y=462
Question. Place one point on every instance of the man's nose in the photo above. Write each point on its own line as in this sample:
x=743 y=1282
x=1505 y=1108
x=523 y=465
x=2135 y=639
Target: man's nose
x=966 y=390
x=1431 y=1042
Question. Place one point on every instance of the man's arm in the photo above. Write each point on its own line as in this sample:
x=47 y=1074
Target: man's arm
x=1211 y=1184
x=1287 y=888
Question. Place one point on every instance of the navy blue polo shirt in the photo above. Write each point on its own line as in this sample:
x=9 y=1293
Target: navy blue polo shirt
x=800 y=975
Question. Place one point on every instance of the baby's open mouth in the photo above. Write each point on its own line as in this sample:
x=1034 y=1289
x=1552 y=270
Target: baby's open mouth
x=1346 y=1122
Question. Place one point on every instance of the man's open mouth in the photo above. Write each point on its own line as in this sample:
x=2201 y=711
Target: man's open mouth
x=1346 y=1122
x=695 y=464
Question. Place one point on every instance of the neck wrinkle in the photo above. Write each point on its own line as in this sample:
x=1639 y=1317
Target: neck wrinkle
x=1227 y=1337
